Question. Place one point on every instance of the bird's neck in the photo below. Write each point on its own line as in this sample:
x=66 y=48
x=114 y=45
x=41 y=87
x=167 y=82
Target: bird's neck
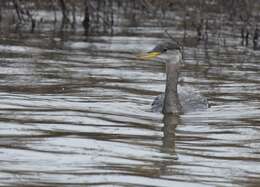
x=171 y=100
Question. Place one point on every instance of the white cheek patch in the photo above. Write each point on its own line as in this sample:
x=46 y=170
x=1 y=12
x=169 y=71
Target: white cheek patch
x=171 y=57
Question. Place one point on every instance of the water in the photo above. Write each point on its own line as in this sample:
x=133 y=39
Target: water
x=76 y=112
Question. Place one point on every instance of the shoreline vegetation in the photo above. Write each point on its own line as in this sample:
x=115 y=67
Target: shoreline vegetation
x=207 y=20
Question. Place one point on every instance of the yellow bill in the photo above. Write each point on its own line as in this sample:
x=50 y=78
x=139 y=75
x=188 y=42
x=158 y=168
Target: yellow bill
x=149 y=55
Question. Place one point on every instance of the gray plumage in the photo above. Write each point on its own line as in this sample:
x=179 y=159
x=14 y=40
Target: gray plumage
x=177 y=99
x=190 y=100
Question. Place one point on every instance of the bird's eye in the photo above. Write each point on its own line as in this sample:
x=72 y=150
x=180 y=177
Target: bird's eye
x=165 y=49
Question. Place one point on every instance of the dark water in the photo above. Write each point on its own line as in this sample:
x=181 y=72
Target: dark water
x=76 y=112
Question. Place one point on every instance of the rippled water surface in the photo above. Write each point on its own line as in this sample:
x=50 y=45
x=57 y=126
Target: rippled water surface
x=77 y=112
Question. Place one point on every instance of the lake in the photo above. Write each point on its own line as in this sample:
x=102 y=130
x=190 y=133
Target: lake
x=76 y=111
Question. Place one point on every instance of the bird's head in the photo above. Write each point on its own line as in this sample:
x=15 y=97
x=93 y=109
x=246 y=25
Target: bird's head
x=169 y=52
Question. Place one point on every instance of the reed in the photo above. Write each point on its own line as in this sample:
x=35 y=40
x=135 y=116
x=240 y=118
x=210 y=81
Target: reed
x=207 y=18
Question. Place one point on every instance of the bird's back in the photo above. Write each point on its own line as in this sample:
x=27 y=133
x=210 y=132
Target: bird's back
x=190 y=99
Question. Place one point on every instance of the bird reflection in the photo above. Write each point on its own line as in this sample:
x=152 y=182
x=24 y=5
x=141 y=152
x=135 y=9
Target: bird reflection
x=170 y=123
x=168 y=144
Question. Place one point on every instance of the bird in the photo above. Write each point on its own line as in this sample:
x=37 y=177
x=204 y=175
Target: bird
x=176 y=99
